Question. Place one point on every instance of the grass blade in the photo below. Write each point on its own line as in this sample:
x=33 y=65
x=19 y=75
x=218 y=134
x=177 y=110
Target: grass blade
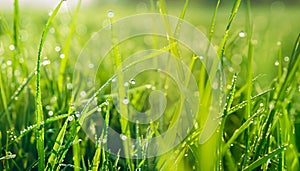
x=52 y=161
x=38 y=100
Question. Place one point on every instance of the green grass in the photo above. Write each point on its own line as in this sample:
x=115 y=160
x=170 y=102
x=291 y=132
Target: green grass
x=41 y=126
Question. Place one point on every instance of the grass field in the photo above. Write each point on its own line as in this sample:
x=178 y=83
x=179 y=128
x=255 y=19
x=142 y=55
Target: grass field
x=44 y=120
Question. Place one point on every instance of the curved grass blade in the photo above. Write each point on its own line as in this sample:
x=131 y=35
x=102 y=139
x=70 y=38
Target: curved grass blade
x=38 y=103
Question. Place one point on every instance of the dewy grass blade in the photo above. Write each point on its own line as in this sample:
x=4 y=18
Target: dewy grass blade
x=264 y=159
x=52 y=161
x=240 y=130
x=227 y=107
x=278 y=99
x=38 y=102
x=210 y=161
x=33 y=127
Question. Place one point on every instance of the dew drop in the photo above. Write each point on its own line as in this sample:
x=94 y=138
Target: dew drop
x=91 y=65
x=242 y=34
x=11 y=47
x=8 y=62
x=99 y=109
x=286 y=59
x=132 y=81
x=46 y=62
x=201 y=57
x=83 y=93
x=123 y=137
x=62 y=56
x=110 y=14
x=125 y=100
x=271 y=105
x=185 y=154
x=261 y=104
x=70 y=118
x=50 y=113
x=231 y=145
x=276 y=63
x=77 y=114
x=57 y=48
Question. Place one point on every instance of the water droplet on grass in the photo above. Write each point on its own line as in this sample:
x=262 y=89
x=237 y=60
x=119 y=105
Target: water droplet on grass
x=276 y=63
x=82 y=94
x=77 y=114
x=91 y=65
x=271 y=105
x=50 y=113
x=286 y=59
x=70 y=118
x=242 y=34
x=185 y=154
x=261 y=104
x=110 y=14
x=132 y=81
x=125 y=100
x=62 y=56
x=57 y=48
x=11 y=47
x=46 y=62
x=278 y=43
x=8 y=62
x=123 y=137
